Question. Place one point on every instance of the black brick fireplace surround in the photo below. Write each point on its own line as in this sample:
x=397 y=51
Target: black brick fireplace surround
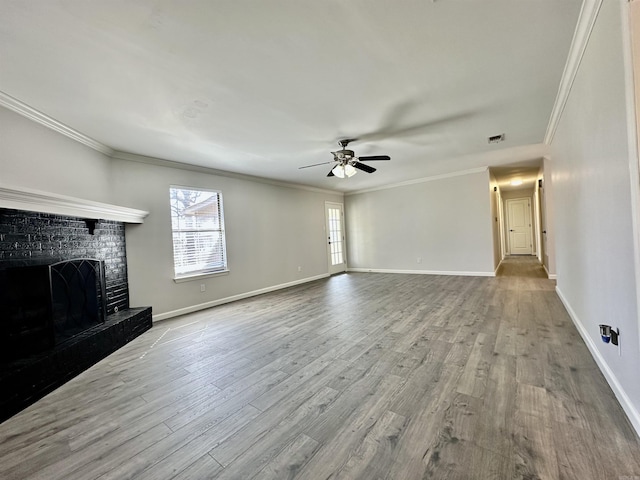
x=29 y=239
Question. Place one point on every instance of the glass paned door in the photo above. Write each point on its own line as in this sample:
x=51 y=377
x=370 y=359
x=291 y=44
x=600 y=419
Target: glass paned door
x=334 y=214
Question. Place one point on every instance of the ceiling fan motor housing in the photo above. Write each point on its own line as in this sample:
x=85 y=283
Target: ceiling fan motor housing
x=345 y=154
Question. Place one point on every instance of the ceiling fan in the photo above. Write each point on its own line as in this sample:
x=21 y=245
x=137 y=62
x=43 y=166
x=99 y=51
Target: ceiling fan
x=346 y=162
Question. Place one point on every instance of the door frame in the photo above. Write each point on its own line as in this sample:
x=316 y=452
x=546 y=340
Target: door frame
x=541 y=220
x=333 y=269
x=503 y=245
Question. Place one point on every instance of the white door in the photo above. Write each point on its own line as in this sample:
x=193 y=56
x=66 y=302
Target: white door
x=519 y=226
x=334 y=213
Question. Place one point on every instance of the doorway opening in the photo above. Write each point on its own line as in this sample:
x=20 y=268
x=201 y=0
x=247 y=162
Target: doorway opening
x=336 y=244
x=520 y=212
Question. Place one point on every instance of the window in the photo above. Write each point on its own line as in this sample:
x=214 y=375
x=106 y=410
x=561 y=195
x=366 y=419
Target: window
x=197 y=223
x=334 y=220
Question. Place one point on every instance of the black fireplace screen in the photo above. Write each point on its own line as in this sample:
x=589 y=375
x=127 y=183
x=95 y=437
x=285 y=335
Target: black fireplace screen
x=47 y=304
x=77 y=296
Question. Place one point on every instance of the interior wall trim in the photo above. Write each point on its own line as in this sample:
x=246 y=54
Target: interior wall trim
x=31 y=200
x=421 y=180
x=551 y=276
x=31 y=113
x=609 y=375
x=584 y=27
x=423 y=272
x=233 y=298
x=132 y=157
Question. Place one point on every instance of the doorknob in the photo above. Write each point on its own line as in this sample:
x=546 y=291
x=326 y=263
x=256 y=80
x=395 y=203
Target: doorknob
x=512 y=230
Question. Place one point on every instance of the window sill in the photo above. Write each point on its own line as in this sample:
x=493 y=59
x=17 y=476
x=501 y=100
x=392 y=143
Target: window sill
x=199 y=276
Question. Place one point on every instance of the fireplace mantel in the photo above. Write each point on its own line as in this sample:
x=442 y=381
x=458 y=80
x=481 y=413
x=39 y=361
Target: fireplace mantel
x=20 y=198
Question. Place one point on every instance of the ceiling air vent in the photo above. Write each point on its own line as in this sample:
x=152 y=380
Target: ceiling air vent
x=496 y=138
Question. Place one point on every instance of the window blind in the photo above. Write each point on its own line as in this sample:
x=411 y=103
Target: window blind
x=197 y=222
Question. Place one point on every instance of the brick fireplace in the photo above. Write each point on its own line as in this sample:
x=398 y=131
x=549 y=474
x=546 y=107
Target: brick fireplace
x=64 y=292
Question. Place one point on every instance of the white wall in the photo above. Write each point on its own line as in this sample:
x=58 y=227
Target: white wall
x=270 y=231
x=34 y=156
x=634 y=27
x=593 y=216
x=521 y=193
x=446 y=222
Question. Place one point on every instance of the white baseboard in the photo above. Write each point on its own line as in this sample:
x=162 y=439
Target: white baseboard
x=609 y=375
x=495 y=273
x=423 y=272
x=552 y=276
x=233 y=298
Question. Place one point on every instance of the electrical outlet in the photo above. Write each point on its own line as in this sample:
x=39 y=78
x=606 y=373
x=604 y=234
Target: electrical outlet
x=610 y=335
x=419 y=260
x=299 y=268
x=203 y=287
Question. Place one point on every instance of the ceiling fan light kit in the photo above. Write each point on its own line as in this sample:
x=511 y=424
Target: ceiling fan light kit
x=342 y=171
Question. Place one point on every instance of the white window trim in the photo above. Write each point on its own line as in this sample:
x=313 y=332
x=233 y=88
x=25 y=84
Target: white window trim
x=200 y=276
x=211 y=273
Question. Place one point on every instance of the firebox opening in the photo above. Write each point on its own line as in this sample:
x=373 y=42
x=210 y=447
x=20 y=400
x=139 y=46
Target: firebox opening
x=77 y=296
x=46 y=305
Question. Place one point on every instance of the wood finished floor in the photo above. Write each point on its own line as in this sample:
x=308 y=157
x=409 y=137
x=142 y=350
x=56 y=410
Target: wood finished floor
x=368 y=376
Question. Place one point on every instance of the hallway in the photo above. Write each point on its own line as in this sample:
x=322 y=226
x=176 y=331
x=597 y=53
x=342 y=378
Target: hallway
x=521 y=266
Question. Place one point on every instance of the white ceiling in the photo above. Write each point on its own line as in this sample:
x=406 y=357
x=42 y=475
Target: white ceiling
x=262 y=87
x=524 y=172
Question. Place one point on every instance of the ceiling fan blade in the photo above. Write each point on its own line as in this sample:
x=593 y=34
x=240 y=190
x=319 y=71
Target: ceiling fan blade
x=316 y=164
x=330 y=174
x=391 y=130
x=371 y=158
x=364 y=167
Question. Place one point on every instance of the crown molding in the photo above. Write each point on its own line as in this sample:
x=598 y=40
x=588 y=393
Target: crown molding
x=159 y=162
x=25 y=110
x=586 y=21
x=20 y=198
x=31 y=113
x=421 y=180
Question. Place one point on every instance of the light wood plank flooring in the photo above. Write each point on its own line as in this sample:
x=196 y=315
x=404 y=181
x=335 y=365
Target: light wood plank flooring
x=368 y=376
